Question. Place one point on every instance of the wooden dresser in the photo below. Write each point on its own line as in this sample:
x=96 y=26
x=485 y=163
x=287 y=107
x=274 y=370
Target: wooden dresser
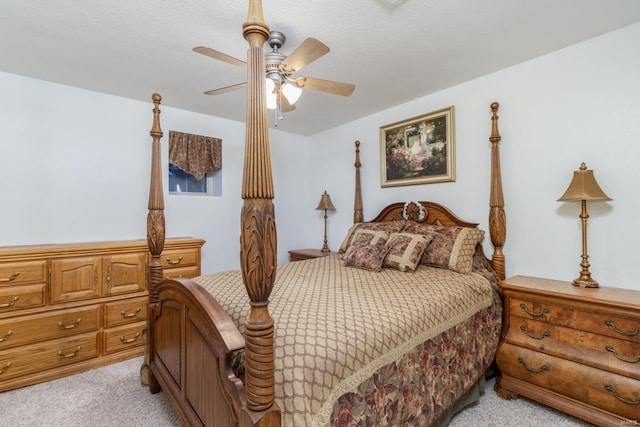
x=71 y=307
x=575 y=349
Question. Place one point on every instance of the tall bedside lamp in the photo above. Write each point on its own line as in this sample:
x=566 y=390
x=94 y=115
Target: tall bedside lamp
x=326 y=205
x=584 y=188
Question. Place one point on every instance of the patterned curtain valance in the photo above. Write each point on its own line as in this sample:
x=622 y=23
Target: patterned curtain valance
x=195 y=154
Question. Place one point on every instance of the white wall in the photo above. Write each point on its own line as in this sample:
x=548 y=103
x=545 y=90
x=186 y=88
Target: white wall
x=580 y=104
x=75 y=167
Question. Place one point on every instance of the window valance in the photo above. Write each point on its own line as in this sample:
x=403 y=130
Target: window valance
x=195 y=154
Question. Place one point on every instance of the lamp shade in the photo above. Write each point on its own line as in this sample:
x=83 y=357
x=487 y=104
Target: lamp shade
x=583 y=187
x=325 y=203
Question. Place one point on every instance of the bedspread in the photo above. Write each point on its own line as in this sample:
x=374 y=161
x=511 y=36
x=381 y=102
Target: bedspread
x=337 y=325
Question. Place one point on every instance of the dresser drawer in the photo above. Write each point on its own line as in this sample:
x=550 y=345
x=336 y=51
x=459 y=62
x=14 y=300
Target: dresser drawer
x=15 y=273
x=46 y=326
x=180 y=273
x=126 y=311
x=123 y=337
x=600 y=351
x=47 y=355
x=21 y=297
x=579 y=317
x=180 y=258
x=612 y=392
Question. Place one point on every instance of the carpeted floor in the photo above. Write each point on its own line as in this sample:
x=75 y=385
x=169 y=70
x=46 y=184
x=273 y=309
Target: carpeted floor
x=113 y=396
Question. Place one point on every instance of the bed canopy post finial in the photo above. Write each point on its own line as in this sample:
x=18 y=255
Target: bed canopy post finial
x=258 y=239
x=358 y=215
x=497 y=217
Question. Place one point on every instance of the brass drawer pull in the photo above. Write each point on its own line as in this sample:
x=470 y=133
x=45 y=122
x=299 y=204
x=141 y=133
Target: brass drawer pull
x=531 y=313
x=11 y=278
x=124 y=314
x=535 y=337
x=61 y=354
x=6 y=336
x=612 y=325
x=612 y=390
x=130 y=340
x=5 y=368
x=75 y=324
x=174 y=262
x=542 y=368
x=615 y=353
x=108 y=276
x=13 y=301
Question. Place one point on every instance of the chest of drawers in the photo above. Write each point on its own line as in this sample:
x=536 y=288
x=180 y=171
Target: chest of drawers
x=572 y=348
x=68 y=308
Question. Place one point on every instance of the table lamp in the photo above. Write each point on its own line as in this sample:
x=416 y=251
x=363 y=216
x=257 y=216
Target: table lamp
x=584 y=188
x=326 y=205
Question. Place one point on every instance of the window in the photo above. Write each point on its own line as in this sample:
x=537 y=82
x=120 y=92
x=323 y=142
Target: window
x=195 y=164
x=181 y=182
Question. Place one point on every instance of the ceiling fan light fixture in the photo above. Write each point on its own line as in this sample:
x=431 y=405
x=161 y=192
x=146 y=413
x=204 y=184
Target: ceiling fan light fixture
x=272 y=99
x=292 y=92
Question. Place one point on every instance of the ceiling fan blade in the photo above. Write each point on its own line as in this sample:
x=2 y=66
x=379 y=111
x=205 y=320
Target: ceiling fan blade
x=207 y=51
x=336 y=88
x=225 y=89
x=310 y=50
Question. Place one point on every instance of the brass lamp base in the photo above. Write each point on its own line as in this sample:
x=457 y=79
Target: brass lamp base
x=585 y=282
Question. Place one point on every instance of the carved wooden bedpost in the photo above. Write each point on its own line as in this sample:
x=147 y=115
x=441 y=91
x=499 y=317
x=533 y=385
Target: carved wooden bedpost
x=155 y=227
x=155 y=217
x=358 y=216
x=497 y=218
x=258 y=240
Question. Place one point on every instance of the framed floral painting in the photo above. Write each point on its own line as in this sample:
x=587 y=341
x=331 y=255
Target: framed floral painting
x=420 y=150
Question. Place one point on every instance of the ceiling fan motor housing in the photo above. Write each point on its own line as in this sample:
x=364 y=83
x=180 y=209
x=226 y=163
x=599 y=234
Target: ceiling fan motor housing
x=274 y=58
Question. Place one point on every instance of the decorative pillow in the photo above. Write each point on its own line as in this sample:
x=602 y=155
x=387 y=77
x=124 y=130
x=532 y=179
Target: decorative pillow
x=366 y=257
x=419 y=228
x=405 y=251
x=452 y=248
x=369 y=237
x=482 y=266
x=387 y=226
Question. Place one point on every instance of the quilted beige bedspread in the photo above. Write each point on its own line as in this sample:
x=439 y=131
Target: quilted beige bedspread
x=336 y=325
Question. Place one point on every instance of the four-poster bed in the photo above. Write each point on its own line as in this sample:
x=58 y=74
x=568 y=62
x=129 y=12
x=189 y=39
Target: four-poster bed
x=285 y=373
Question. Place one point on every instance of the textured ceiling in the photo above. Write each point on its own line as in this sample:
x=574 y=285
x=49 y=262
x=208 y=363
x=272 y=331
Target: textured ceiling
x=393 y=55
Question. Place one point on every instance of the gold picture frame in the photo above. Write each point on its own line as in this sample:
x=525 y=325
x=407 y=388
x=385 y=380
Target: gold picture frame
x=419 y=150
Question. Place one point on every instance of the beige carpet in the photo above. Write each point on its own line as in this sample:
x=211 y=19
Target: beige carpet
x=113 y=396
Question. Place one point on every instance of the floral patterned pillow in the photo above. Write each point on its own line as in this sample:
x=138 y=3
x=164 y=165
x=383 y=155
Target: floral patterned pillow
x=369 y=237
x=453 y=248
x=405 y=251
x=482 y=266
x=387 y=226
x=367 y=257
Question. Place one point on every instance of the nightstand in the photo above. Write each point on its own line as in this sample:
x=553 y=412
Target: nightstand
x=300 y=254
x=574 y=349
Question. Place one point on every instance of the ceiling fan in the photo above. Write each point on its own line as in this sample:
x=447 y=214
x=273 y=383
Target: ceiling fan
x=283 y=88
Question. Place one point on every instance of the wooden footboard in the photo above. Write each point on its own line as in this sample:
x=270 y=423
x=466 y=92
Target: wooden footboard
x=190 y=356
